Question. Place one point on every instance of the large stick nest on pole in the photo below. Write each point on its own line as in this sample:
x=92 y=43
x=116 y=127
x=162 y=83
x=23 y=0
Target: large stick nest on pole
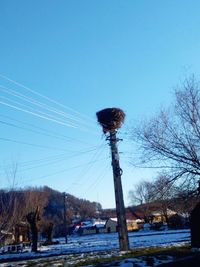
x=110 y=118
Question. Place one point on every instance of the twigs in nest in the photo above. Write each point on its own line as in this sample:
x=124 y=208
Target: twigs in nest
x=110 y=119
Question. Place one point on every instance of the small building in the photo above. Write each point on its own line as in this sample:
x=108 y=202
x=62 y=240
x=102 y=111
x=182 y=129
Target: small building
x=6 y=237
x=21 y=233
x=109 y=226
x=134 y=225
x=158 y=216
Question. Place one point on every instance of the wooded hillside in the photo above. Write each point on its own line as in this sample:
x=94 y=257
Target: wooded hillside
x=16 y=204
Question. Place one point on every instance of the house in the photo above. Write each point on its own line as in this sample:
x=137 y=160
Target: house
x=157 y=216
x=21 y=233
x=111 y=225
x=106 y=226
x=5 y=237
x=96 y=227
x=134 y=225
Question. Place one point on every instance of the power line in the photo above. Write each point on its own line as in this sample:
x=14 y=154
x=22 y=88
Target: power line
x=29 y=130
x=84 y=171
x=42 y=115
x=45 y=97
x=35 y=162
x=99 y=177
x=30 y=144
x=36 y=145
x=48 y=161
x=42 y=105
x=34 y=131
x=48 y=164
x=34 y=114
x=58 y=172
x=59 y=159
x=43 y=130
x=75 y=153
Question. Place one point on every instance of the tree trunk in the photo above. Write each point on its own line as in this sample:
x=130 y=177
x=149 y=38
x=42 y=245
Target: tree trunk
x=195 y=231
x=49 y=233
x=33 y=218
x=34 y=233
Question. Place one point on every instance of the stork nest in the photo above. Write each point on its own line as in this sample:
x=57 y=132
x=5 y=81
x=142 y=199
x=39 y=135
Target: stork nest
x=110 y=119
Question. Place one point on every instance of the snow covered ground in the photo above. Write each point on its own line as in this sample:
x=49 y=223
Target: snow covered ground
x=106 y=244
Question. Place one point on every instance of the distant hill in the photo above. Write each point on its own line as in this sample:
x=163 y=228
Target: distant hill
x=16 y=204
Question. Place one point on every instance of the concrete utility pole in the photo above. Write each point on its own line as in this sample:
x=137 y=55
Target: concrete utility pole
x=64 y=217
x=111 y=119
x=120 y=209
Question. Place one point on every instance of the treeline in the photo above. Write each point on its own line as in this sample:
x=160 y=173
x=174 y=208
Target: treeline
x=15 y=205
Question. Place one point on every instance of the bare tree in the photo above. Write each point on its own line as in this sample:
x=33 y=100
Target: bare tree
x=47 y=229
x=142 y=195
x=10 y=203
x=185 y=200
x=157 y=194
x=171 y=140
x=33 y=218
x=164 y=193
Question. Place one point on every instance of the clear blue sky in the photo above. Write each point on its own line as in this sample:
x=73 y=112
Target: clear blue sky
x=86 y=55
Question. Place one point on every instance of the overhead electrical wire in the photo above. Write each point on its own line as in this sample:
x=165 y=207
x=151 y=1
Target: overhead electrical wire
x=45 y=97
x=30 y=144
x=44 y=131
x=33 y=113
x=68 y=117
x=35 y=131
x=48 y=161
x=41 y=114
x=85 y=171
x=99 y=178
x=54 y=157
x=58 y=172
x=49 y=164
x=35 y=145
x=29 y=163
x=30 y=130
x=94 y=157
x=36 y=108
x=26 y=99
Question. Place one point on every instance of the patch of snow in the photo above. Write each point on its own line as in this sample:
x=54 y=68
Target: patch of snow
x=146 y=261
x=104 y=243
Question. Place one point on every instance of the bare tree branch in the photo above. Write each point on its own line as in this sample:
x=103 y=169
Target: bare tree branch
x=172 y=137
